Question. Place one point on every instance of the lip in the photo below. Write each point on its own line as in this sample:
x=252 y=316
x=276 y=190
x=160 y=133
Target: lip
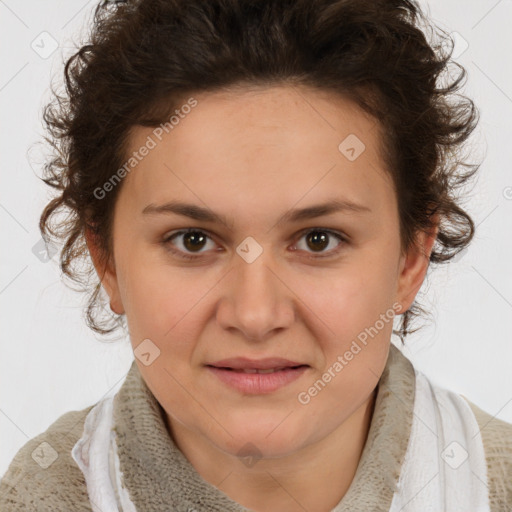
x=242 y=363
x=257 y=383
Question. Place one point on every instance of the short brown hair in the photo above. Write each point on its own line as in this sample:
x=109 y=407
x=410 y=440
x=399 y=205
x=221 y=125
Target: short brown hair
x=143 y=55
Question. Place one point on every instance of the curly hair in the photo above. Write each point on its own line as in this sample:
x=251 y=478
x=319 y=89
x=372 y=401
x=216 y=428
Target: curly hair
x=143 y=56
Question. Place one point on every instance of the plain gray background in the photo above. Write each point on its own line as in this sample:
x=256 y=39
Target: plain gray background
x=51 y=363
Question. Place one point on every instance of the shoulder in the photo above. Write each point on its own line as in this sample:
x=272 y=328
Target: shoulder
x=43 y=475
x=497 y=440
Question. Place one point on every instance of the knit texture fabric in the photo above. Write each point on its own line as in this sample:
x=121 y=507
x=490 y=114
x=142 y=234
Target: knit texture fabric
x=160 y=478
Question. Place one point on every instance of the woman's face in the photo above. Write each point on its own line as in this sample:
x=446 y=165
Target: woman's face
x=290 y=270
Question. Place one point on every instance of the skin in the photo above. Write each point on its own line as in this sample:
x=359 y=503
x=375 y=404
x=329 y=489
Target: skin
x=252 y=156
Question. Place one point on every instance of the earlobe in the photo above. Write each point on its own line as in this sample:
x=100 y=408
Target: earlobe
x=106 y=272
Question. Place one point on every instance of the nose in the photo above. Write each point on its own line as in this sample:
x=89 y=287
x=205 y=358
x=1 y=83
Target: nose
x=255 y=300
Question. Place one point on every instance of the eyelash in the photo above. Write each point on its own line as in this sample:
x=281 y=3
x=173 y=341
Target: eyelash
x=168 y=246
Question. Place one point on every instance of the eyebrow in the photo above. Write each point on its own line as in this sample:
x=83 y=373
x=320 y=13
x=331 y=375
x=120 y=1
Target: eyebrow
x=206 y=215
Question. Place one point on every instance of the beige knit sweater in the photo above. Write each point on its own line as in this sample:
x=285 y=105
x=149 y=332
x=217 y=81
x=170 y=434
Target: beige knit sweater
x=160 y=478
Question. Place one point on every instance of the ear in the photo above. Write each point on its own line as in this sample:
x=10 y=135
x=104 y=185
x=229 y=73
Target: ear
x=414 y=265
x=105 y=270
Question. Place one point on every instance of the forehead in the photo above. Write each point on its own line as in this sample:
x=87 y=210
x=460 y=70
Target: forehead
x=282 y=142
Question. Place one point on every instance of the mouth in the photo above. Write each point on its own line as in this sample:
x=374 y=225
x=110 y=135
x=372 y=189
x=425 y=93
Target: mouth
x=247 y=378
x=260 y=371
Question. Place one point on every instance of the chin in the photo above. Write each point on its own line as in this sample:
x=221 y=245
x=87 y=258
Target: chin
x=269 y=439
x=254 y=449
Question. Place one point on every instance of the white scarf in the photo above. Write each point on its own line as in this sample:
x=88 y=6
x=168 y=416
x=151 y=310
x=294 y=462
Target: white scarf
x=96 y=455
x=444 y=467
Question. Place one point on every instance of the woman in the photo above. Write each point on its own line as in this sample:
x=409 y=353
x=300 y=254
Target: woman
x=261 y=187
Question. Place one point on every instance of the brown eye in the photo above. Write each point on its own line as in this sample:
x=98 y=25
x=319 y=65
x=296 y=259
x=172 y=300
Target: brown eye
x=194 y=240
x=188 y=243
x=317 y=240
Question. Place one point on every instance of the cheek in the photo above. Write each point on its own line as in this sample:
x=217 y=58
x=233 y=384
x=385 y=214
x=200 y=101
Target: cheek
x=351 y=298
x=356 y=308
x=350 y=302
x=158 y=299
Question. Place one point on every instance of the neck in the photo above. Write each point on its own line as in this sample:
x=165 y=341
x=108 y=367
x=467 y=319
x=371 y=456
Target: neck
x=316 y=477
